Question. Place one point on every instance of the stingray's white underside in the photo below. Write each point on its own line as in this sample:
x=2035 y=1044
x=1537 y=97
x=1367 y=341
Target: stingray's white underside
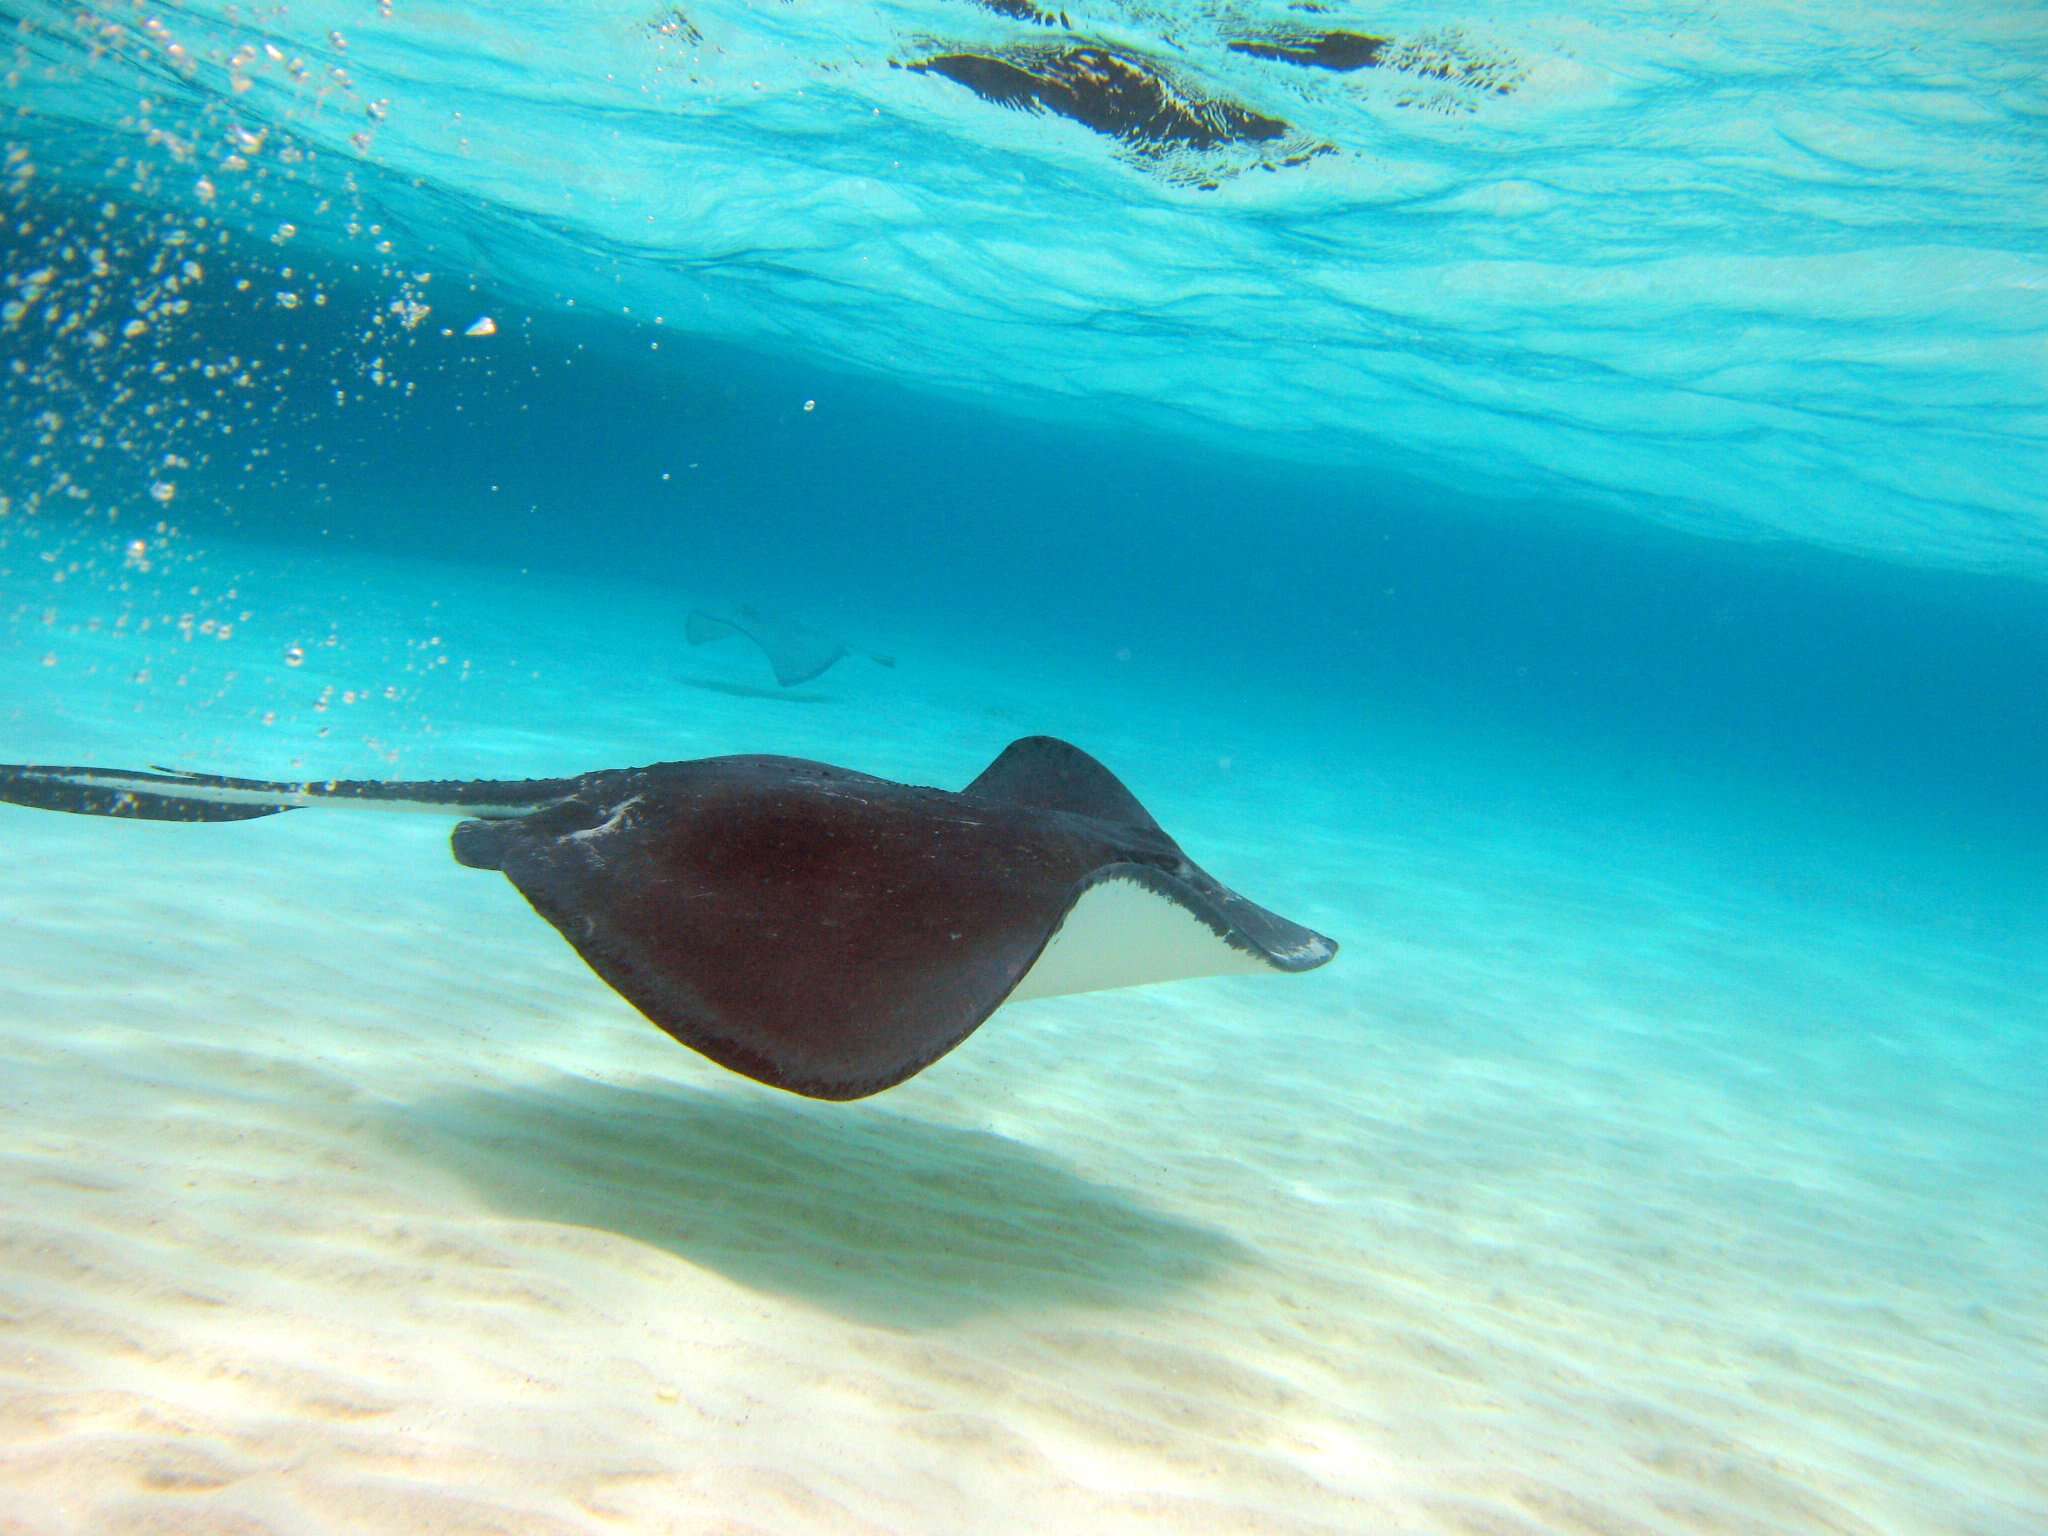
x=1123 y=934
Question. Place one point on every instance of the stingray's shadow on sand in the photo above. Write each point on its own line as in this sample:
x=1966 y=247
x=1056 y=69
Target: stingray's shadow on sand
x=874 y=1214
x=749 y=691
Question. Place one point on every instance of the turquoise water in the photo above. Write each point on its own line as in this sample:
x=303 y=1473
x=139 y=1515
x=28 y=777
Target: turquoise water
x=1552 y=501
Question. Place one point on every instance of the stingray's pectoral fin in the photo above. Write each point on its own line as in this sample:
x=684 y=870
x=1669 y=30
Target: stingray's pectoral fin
x=1048 y=774
x=143 y=796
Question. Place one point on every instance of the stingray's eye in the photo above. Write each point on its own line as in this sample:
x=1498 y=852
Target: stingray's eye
x=567 y=816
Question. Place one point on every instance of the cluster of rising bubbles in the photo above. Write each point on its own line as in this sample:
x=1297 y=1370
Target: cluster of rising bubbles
x=191 y=300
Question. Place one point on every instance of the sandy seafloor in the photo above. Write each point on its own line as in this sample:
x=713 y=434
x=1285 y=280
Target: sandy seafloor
x=1628 y=1172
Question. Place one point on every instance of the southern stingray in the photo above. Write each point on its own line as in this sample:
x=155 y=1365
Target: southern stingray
x=814 y=928
x=796 y=652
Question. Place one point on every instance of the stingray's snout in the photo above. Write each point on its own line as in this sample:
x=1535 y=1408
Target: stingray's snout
x=487 y=842
x=480 y=844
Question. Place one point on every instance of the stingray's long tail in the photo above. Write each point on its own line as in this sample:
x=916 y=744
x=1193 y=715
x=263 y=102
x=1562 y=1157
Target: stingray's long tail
x=164 y=794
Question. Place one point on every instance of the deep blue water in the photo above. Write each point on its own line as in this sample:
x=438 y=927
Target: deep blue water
x=1363 y=607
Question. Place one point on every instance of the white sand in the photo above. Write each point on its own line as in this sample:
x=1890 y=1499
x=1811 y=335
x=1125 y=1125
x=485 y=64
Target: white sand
x=1604 y=1184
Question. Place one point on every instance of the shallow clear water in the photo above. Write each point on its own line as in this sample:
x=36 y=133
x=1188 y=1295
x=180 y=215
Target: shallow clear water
x=1554 y=504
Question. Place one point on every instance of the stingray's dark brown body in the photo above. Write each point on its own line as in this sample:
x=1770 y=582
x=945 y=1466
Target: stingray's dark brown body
x=817 y=929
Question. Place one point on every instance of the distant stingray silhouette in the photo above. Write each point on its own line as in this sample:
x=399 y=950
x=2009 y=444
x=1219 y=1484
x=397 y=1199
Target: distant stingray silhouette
x=795 y=651
x=816 y=929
